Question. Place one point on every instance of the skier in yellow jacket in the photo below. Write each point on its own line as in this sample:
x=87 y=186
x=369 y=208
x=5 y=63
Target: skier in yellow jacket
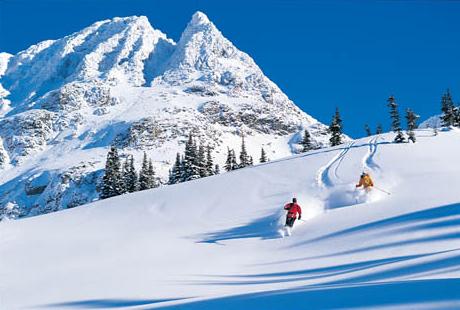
x=365 y=181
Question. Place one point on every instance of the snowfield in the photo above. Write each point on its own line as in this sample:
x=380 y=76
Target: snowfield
x=214 y=243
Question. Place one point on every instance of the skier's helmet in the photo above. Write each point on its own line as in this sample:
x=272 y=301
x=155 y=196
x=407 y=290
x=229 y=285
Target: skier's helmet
x=294 y=200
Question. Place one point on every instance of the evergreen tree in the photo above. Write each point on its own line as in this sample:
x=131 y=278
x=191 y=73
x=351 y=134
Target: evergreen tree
x=151 y=176
x=182 y=172
x=457 y=116
x=228 y=163
x=411 y=118
x=368 y=130
x=130 y=180
x=124 y=176
x=233 y=160
x=191 y=170
x=306 y=142
x=244 y=158
x=133 y=179
x=379 y=129
x=216 y=169
x=175 y=174
x=251 y=161
x=336 y=129
x=209 y=162
x=144 y=181
x=263 y=156
x=448 y=110
x=395 y=120
x=201 y=161
x=112 y=181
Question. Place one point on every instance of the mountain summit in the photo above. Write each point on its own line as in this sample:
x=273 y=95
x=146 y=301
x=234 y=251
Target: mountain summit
x=121 y=82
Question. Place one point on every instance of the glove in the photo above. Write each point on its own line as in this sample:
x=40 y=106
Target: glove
x=300 y=217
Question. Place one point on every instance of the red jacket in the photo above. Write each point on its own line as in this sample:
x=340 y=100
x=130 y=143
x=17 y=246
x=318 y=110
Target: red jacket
x=293 y=208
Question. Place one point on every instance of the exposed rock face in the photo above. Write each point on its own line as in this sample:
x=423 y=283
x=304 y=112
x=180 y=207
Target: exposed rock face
x=64 y=102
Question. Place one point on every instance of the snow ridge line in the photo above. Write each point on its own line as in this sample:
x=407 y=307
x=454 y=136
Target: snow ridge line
x=368 y=160
x=323 y=179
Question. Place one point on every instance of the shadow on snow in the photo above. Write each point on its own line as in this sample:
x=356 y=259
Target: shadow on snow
x=440 y=293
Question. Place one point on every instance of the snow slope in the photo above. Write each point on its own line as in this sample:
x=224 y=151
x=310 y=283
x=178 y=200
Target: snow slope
x=120 y=81
x=213 y=243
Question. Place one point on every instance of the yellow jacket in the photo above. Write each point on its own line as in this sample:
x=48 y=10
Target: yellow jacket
x=365 y=181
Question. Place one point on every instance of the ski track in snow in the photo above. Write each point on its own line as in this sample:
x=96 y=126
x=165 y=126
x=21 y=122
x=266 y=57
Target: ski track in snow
x=324 y=180
x=368 y=160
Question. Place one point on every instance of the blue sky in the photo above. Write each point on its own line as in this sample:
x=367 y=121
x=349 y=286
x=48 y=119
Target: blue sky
x=323 y=54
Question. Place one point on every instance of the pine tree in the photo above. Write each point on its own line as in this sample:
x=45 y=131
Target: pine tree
x=234 y=163
x=112 y=181
x=336 y=129
x=133 y=183
x=411 y=118
x=228 y=163
x=263 y=156
x=209 y=162
x=151 y=176
x=124 y=176
x=144 y=174
x=368 y=130
x=201 y=161
x=251 y=161
x=448 y=110
x=216 y=170
x=379 y=129
x=306 y=142
x=182 y=172
x=129 y=176
x=395 y=120
x=191 y=170
x=244 y=158
x=175 y=174
x=457 y=116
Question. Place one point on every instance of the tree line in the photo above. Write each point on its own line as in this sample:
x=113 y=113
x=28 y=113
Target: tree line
x=123 y=178
x=197 y=160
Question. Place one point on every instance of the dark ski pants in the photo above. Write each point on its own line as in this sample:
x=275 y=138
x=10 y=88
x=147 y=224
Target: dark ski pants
x=290 y=221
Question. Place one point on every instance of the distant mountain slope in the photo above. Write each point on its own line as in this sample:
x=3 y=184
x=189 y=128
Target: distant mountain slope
x=122 y=82
x=213 y=243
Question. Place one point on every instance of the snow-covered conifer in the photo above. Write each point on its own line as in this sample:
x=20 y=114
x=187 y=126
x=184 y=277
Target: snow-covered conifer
x=306 y=141
x=263 y=156
x=112 y=181
x=201 y=161
x=368 y=130
x=395 y=120
x=448 y=110
x=411 y=118
x=209 y=162
x=336 y=129
x=244 y=158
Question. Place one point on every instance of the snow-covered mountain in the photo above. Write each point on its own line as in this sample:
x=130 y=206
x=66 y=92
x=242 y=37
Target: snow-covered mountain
x=213 y=243
x=122 y=82
x=432 y=122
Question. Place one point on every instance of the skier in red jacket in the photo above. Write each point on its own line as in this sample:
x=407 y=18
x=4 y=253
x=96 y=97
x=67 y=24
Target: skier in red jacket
x=293 y=208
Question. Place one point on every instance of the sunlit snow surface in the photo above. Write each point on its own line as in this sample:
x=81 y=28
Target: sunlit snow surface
x=214 y=243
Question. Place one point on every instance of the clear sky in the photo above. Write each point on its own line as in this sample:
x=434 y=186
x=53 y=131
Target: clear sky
x=322 y=54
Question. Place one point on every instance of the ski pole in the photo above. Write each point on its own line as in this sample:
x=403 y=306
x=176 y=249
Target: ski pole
x=382 y=190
